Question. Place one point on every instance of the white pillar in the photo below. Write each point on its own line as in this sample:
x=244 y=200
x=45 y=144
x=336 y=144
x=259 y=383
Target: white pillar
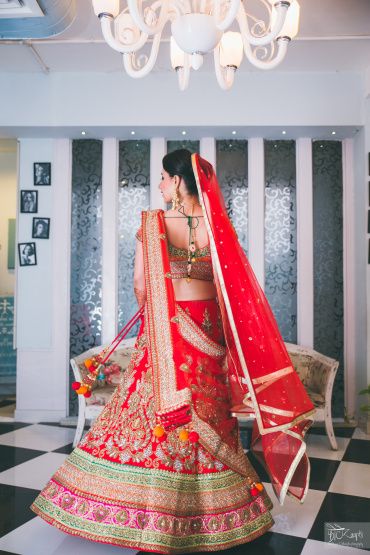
x=110 y=240
x=43 y=291
x=256 y=208
x=349 y=279
x=305 y=279
x=157 y=150
x=208 y=150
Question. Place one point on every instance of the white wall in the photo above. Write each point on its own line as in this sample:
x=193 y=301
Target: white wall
x=113 y=99
x=8 y=198
x=42 y=291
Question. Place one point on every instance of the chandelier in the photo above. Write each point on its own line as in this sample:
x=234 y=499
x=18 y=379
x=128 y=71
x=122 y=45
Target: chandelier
x=199 y=27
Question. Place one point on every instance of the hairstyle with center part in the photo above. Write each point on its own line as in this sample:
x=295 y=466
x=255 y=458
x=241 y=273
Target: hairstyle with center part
x=179 y=163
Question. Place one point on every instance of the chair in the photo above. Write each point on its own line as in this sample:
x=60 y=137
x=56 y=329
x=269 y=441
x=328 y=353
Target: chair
x=91 y=407
x=317 y=373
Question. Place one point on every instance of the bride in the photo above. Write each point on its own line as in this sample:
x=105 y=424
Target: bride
x=162 y=469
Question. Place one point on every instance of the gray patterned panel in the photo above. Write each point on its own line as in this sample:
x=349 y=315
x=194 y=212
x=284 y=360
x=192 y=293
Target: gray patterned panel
x=328 y=259
x=133 y=197
x=232 y=175
x=193 y=146
x=86 y=251
x=281 y=235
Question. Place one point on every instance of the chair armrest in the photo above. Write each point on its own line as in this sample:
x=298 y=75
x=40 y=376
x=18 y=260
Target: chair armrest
x=322 y=375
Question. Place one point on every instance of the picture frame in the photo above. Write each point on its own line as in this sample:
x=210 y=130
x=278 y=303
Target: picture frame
x=27 y=254
x=41 y=173
x=40 y=228
x=29 y=201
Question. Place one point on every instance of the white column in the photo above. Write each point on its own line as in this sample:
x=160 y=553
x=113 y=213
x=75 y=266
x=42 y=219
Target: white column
x=157 y=150
x=208 y=150
x=110 y=240
x=349 y=279
x=305 y=298
x=43 y=369
x=256 y=208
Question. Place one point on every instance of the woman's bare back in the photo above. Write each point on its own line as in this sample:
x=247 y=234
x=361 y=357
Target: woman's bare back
x=177 y=231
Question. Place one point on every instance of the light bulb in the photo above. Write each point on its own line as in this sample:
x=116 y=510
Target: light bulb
x=106 y=6
x=177 y=55
x=291 y=24
x=231 y=49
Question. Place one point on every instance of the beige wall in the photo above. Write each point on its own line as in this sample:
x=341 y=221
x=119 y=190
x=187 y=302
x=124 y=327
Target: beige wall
x=8 y=200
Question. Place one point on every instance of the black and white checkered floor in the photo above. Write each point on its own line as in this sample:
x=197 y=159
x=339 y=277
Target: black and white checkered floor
x=339 y=492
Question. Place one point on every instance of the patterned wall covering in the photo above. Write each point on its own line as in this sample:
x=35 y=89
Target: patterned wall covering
x=193 y=146
x=8 y=359
x=328 y=259
x=86 y=251
x=232 y=175
x=133 y=197
x=281 y=235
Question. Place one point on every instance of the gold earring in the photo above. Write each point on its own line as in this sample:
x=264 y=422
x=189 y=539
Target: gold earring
x=175 y=199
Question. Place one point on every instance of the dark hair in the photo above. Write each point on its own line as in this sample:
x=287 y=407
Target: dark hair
x=179 y=163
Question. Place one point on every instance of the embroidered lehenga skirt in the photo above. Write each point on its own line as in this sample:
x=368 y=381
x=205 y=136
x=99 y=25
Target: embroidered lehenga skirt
x=123 y=486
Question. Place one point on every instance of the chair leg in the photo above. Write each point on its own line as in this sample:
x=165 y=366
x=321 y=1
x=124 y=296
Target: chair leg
x=330 y=430
x=81 y=420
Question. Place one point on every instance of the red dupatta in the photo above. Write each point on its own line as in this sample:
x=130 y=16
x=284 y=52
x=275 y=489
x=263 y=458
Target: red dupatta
x=167 y=326
x=263 y=380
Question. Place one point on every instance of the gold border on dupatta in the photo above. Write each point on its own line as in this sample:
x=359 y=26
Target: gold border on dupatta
x=158 y=314
x=196 y=336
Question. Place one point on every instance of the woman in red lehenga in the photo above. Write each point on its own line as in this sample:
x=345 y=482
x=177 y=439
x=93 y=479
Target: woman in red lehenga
x=163 y=469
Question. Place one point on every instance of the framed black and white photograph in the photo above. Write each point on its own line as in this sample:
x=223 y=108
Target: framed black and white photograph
x=27 y=254
x=42 y=173
x=40 y=228
x=29 y=201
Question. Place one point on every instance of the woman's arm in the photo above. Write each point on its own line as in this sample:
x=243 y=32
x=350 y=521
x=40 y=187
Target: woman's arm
x=139 y=278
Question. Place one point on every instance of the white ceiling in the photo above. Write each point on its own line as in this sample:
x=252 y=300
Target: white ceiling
x=334 y=36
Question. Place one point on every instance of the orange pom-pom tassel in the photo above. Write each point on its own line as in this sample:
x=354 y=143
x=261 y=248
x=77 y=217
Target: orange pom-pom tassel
x=184 y=435
x=259 y=486
x=81 y=390
x=158 y=431
x=88 y=362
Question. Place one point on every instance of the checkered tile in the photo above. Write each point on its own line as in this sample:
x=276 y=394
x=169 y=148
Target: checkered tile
x=339 y=492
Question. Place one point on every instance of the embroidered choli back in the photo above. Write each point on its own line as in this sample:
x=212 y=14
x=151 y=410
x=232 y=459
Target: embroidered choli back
x=200 y=269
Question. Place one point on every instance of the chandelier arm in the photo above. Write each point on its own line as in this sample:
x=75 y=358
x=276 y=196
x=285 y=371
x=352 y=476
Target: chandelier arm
x=281 y=13
x=184 y=73
x=117 y=45
x=142 y=72
x=225 y=78
x=230 y=16
x=138 y=18
x=177 y=8
x=282 y=50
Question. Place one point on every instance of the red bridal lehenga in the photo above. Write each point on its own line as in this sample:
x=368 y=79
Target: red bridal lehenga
x=195 y=364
